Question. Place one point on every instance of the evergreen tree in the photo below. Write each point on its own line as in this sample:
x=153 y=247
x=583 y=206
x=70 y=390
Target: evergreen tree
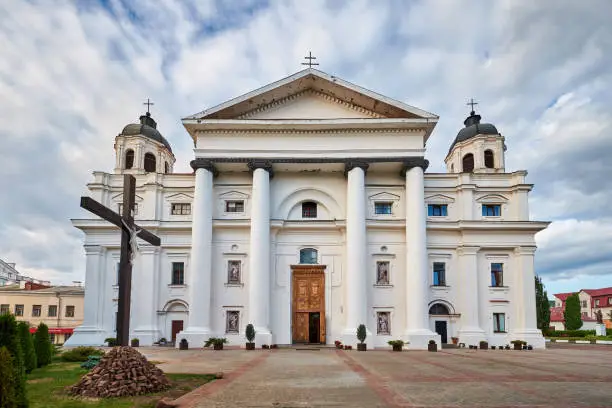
x=27 y=345
x=8 y=399
x=571 y=314
x=542 y=305
x=9 y=338
x=42 y=345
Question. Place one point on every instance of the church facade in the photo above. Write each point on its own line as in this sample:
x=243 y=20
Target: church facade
x=309 y=212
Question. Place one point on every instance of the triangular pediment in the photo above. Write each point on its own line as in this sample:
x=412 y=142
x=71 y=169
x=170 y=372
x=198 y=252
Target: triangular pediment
x=119 y=198
x=281 y=99
x=439 y=198
x=492 y=198
x=179 y=197
x=384 y=196
x=233 y=195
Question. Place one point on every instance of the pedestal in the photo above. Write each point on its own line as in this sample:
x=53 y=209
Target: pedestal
x=600 y=329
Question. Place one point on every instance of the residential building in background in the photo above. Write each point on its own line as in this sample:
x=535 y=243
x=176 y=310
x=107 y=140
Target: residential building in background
x=59 y=307
x=9 y=275
x=591 y=300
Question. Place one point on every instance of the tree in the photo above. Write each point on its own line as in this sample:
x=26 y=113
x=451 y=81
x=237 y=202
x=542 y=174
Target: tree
x=9 y=338
x=361 y=333
x=27 y=345
x=542 y=305
x=42 y=345
x=571 y=314
x=8 y=399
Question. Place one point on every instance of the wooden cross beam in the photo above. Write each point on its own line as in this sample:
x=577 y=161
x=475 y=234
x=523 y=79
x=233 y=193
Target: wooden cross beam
x=129 y=232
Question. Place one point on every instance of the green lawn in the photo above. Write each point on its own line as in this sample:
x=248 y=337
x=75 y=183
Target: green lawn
x=46 y=387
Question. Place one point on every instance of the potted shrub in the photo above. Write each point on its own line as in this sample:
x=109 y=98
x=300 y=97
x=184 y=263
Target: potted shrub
x=265 y=346
x=361 y=336
x=183 y=344
x=250 y=335
x=338 y=344
x=507 y=347
x=163 y=341
x=134 y=342
x=455 y=340
x=518 y=344
x=110 y=341
x=274 y=347
x=432 y=346
x=492 y=347
x=484 y=345
x=396 y=344
x=529 y=347
x=216 y=342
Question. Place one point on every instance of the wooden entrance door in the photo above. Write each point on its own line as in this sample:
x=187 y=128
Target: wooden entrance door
x=177 y=326
x=308 y=303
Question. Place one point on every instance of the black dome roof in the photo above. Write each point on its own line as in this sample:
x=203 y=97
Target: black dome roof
x=148 y=128
x=472 y=128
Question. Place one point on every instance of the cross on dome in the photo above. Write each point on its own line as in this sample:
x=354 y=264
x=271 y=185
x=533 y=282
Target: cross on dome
x=148 y=103
x=472 y=103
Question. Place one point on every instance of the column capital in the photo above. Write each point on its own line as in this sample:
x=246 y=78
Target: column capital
x=411 y=162
x=201 y=163
x=354 y=163
x=261 y=164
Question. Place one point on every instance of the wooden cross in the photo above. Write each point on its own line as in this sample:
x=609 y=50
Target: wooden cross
x=472 y=103
x=129 y=232
x=310 y=58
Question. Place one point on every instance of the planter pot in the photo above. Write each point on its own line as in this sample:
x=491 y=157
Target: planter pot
x=362 y=347
x=524 y=347
x=250 y=346
x=397 y=348
x=183 y=345
x=529 y=347
x=432 y=347
x=455 y=340
x=217 y=346
x=135 y=343
x=518 y=346
x=484 y=346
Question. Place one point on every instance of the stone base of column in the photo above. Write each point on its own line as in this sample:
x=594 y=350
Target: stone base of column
x=146 y=337
x=195 y=336
x=533 y=337
x=87 y=336
x=262 y=336
x=349 y=337
x=472 y=336
x=419 y=339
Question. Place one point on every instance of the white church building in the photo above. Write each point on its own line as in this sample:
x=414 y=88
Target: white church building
x=310 y=212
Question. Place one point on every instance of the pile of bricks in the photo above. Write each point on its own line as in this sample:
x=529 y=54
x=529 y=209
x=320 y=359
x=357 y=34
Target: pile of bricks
x=122 y=372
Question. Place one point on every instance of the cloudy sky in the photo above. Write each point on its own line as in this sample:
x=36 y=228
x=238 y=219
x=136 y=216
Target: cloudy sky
x=73 y=73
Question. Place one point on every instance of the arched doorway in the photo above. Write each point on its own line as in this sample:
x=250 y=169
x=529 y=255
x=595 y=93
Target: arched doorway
x=176 y=311
x=440 y=313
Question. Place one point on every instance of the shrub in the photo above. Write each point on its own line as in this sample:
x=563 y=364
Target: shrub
x=80 y=354
x=250 y=333
x=42 y=345
x=570 y=333
x=571 y=314
x=361 y=333
x=396 y=342
x=111 y=341
x=8 y=398
x=27 y=345
x=9 y=338
x=215 y=341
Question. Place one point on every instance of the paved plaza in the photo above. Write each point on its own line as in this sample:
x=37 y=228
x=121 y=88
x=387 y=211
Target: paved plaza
x=571 y=376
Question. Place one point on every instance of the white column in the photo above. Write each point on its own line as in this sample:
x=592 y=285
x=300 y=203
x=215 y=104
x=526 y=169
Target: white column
x=356 y=253
x=145 y=278
x=259 y=253
x=524 y=323
x=91 y=331
x=470 y=331
x=199 y=273
x=417 y=332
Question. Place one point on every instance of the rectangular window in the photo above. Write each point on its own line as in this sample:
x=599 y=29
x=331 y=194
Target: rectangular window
x=610 y=300
x=69 y=311
x=52 y=338
x=437 y=210
x=383 y=323
x=232 y=321
x=383 y=208
x=181 y=209
x=585 y=314
x=497 y=274
x=4 y=309
x=382 y=273
x=499 y=322
x=596 y=302
x=18 y=310
x=234 y=206
x=36 y=310
x=120 y=208
x=584 y=302
x=491 y=210
x=178 y=273
x=233 y=272
x=52 y=312
x=309 y=210
x=439 y=274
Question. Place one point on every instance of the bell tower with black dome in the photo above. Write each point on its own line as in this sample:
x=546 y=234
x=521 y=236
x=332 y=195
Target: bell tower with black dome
x=478 y=148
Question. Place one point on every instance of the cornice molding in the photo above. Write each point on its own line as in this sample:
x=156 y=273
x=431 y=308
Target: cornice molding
x=306 y=131
x=309 y=92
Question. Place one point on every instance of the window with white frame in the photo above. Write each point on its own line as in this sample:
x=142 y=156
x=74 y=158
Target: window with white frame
x=383 y=323
x=383 y=208
x=491 y=210
x=437 y=210
x=52 y=312
x=234 y=206
x=308 y=256
x=439 y=274
x=499 y=322
x=178 y=273
x=69 y=311
x=596 y=302
x=4 y=309
x=497 y=274
x=18 y=310
x=181 y=208
x=120 y=208
x=36 y=310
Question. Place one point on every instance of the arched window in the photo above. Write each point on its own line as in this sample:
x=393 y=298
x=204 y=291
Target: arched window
x=488 y=157
x=149 y=162
x=166 y=168
x=438 y=309
x=308 y=256
x=129 y=159
x=309 y=209
x=468 y=163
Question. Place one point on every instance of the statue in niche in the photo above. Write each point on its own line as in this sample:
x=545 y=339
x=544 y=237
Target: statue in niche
x=233 y=272
x=383 y=323
x=232 y=322
x=382 y=273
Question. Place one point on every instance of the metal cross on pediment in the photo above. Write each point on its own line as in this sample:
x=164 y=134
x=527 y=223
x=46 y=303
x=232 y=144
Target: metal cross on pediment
x=129 y=234
x=310 y=58
x=472 y=103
